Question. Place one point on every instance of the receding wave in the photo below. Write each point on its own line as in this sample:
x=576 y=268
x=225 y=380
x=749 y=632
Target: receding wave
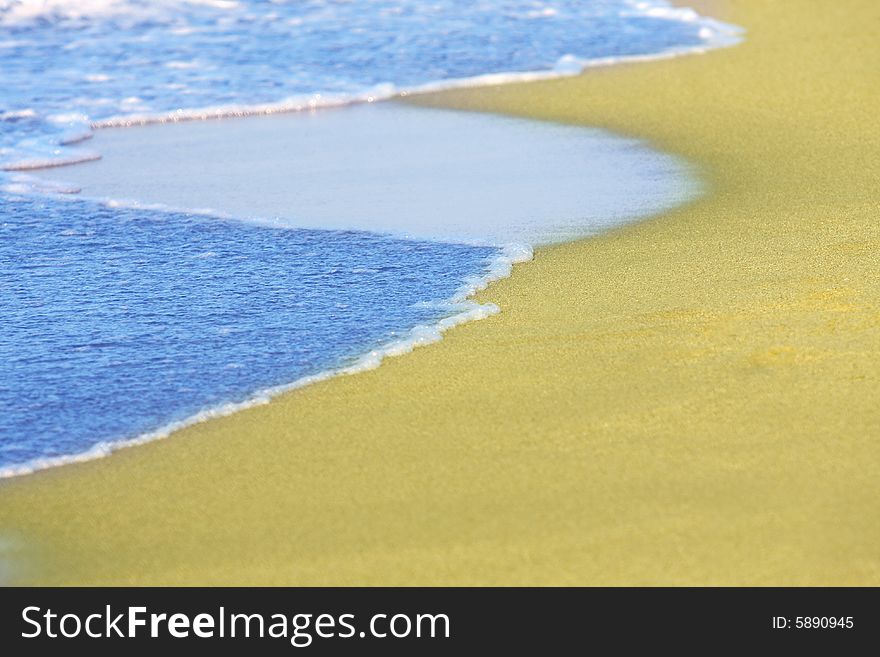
x=72 y=66
x=450 y=311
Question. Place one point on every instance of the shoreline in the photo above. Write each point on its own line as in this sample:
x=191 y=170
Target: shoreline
x=420 y=335
x=565 y=189
x=682 y=421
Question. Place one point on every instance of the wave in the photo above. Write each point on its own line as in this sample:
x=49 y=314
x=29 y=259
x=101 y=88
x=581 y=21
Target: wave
x=566 y=66
x=175 y=82
x=32 y=164
x=462 y=309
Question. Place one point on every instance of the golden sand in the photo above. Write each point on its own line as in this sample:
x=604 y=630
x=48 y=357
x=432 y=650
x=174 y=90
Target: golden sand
x=691 y=400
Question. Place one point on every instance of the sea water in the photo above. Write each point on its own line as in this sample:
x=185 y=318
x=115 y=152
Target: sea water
x=121 y=322
x=116 y=321
x=67 y=65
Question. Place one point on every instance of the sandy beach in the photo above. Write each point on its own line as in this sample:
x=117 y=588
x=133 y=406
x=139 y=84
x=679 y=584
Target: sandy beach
x=688 y=400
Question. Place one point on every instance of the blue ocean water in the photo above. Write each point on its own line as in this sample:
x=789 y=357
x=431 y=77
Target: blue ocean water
x=66 y=64
x=117 y=322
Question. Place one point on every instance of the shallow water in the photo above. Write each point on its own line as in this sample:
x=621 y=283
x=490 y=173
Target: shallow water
x=118 y=321
x=121 y=321
x=386 y=167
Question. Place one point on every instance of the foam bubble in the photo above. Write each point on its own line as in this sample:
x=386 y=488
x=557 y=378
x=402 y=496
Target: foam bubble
x=15 y=12
x=34 y=163
x=25 y=184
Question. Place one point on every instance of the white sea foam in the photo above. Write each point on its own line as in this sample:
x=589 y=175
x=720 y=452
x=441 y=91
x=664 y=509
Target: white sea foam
x=719 y=35
x=28 y=185
x=13 y=115
x=17 y=12
x=293 y=104
x=75 y=137
x=111 y=109
x=34 y=163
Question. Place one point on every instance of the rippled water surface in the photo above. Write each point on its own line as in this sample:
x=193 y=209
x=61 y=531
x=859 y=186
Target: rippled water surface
x=117 y=321
x=67 y=63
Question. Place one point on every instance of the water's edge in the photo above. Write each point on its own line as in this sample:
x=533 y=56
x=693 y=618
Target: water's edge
x=466 y=309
